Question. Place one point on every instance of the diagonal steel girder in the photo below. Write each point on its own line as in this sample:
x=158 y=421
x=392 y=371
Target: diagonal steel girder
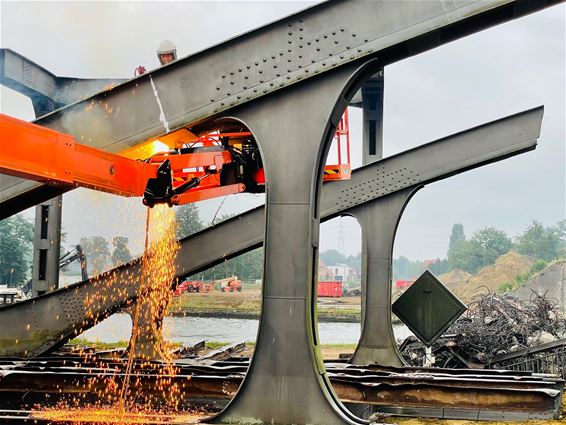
x=319 y=40
x=54 y=318
x=46 y=90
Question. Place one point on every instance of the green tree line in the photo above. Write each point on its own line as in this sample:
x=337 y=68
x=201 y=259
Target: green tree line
x=333 y=257
x=481 y=249
x=16 y=245
x=486 y=245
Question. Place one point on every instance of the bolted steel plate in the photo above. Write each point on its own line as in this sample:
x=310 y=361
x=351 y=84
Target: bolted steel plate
x=428 y=308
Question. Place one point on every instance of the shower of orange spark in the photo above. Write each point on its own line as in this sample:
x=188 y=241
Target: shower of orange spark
x=120 y=390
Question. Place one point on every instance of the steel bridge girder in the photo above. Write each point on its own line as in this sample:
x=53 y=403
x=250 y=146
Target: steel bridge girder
x=311 y=43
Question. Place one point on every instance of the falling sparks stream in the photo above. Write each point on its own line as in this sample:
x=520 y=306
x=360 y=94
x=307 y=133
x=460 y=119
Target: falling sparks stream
x=157 y=273
x=119 y=400
x=131 y=353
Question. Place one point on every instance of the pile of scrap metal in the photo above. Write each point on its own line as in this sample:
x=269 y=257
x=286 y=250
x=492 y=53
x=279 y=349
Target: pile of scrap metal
x=499 y=327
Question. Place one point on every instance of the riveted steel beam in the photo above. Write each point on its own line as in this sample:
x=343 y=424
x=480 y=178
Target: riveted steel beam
x=59 y=316
x=434 y=161
x=317 y=41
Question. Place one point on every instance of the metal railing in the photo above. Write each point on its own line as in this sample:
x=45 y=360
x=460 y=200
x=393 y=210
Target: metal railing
x=545 y=358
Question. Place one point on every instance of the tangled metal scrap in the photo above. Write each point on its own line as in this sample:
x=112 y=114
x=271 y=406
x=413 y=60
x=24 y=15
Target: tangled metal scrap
x=492 y=326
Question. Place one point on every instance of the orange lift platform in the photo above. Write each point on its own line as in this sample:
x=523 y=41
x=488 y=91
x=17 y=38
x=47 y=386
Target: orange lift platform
x=342 y=170
x=210 y=166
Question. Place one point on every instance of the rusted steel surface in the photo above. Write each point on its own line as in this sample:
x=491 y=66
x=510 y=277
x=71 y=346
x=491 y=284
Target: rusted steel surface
x=400 y=390
x=190 y=351
x=425 y=395
x=224 y=353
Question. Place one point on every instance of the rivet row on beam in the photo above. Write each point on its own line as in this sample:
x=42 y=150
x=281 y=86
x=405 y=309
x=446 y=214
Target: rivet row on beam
x=314 y=65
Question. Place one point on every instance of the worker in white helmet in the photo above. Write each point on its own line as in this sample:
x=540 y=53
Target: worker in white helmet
x=166 y=52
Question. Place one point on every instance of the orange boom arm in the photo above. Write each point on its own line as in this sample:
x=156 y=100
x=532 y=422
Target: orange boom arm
x=37 y=153
x=216 y=164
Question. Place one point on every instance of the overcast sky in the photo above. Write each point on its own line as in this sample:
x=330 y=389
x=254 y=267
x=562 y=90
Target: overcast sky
x=501 y=71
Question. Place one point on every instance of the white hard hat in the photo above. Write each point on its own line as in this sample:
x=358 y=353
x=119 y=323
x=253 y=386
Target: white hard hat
x=166 y=47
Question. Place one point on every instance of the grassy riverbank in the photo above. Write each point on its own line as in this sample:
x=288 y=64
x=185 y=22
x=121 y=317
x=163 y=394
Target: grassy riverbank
x=247 y=305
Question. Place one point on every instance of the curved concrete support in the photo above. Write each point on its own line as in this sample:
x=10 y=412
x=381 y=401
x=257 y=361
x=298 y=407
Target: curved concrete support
x=286 y=382
x=379 y=221
x=371 y=102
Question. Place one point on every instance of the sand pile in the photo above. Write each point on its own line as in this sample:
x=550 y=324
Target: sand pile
x=454 y=278
x=491 y=277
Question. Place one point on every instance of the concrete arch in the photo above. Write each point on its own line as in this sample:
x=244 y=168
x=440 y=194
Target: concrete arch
x=380 y=220
x=286 y=381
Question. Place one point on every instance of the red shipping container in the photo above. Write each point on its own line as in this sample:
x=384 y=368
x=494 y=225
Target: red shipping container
x=400 y=284
x=330 y=289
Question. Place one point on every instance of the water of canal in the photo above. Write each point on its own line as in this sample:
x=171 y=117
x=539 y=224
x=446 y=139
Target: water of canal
x=190 y=330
